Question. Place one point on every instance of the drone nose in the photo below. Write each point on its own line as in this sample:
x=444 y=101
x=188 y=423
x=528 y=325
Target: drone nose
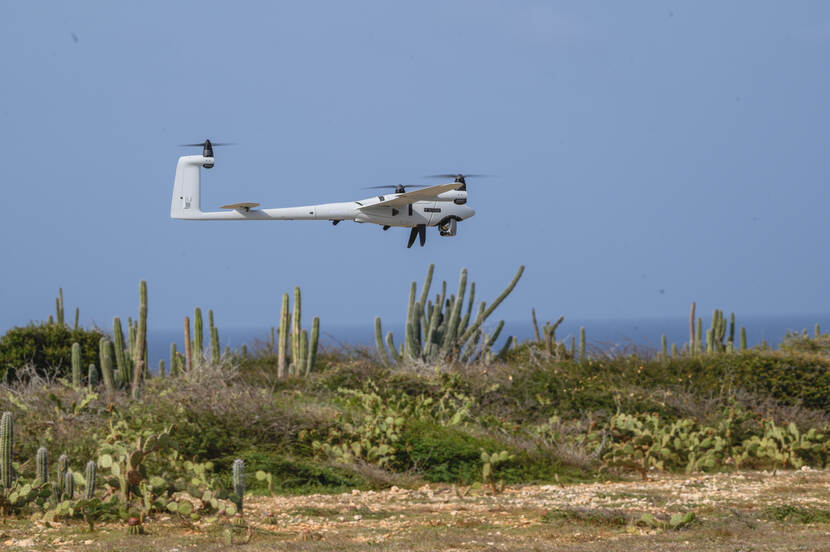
x=468 y=212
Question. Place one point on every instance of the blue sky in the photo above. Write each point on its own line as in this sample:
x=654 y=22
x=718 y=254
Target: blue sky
x=646 y=154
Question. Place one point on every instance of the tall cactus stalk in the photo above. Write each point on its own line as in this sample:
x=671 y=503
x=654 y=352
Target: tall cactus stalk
x=161 y=368
x=188 y=349
x=63 y=469
x=743 y=338
x=692 y=340
x=77 y=318
x=450 y=332
x=215 y=353
x=89 y=475
x=42 y=465
x=582 y=344
x=384 y=356
x=664 y=345
x=76 y=365
x=238 y=482
x=92 y=376
x=174 y=360
x=198 y=338
x=121 y=360
x=68 y=486
x=105 y=353
x=282 y=346
x=59 y=307
x=296 y=331
x=6 y=447
x=141 y=340
x=312 y=346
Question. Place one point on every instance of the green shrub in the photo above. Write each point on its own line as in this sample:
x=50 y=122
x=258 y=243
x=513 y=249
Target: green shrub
x=46 y=347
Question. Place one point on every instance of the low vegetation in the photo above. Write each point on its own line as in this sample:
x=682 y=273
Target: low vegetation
x=193 y=441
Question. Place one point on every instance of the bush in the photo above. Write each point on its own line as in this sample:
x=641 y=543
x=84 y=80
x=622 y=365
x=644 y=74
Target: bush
x=47 y=348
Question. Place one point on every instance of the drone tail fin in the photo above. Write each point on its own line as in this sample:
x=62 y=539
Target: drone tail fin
x=187 y=202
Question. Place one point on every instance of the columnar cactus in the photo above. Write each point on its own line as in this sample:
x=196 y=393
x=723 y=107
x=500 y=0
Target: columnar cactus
x=296 y=330
x=89 y=475
x=282 y=346
x=6 y=447
x=42 y=465
x=59 y=306
x=312 y=346
x=121 y=359
x=105 y=354
x=664 y=347
x=174 y=360
x=68 y=486
x=743 y=338
x=582 y=344
x=239 y=481
x=76 y=365
x=161 y=368
x=77 y=318
x=438 y=329
x=63 y=469
x=139 y=364
x=92 y=376
x=384 y=357
x=198 y=337
x=188 y=346
x=215 y=353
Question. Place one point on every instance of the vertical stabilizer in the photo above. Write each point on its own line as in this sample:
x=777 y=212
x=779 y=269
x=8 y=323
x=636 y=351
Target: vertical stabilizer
x=187 y=200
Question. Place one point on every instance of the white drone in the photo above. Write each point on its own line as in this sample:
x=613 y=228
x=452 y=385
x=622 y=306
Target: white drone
x=443 y=205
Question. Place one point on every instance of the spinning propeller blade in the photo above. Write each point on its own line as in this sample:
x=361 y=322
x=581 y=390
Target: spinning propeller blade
x=207 y=148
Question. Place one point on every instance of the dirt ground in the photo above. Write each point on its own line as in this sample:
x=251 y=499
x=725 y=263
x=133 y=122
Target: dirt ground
x=752 y=511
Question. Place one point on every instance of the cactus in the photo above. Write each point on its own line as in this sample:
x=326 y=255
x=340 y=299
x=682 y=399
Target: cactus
x=438 y=330
x=238 y=482
x=76 y=365
x=121 y=359
x=77 y=317
x=6 y=447
x=384 y=357
x=174 y=360
x=582 y=345
x=282 y=346
x=162 y=368
x=198 y=338
x=674 y=351
x=59 y=306
x=699 y=335
x=139 y=364
x=296 y=330
x=664 y=346
x=743 y=338
x=215 y=354
x=817 y=333
x=63 y=469
x=42 y=465
x=92 y=376
x=243 y=351
x=692 y=340
x=535 y=326
x=312 y=346
x=89 y=475
x=105 y=354
x=68 y=486
x=188 y=347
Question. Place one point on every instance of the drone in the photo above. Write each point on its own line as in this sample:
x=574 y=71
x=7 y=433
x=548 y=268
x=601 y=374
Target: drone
x=442 y=205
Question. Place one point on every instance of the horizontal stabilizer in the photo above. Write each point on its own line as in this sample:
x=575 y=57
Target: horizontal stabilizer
x=244 y=206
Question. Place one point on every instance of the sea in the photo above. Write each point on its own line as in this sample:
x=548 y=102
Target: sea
x=608 y=336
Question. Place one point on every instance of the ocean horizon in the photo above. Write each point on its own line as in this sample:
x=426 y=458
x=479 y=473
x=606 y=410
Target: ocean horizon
x=602 y=334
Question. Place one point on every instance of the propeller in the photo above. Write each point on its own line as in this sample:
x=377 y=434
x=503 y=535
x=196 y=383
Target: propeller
x=458 y=177
x=207 y=148
x=399 y=189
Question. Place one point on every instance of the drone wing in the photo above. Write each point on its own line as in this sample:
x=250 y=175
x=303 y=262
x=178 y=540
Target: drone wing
x=417 y=195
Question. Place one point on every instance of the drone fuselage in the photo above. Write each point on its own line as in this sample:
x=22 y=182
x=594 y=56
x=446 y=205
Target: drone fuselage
x=406 y=210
